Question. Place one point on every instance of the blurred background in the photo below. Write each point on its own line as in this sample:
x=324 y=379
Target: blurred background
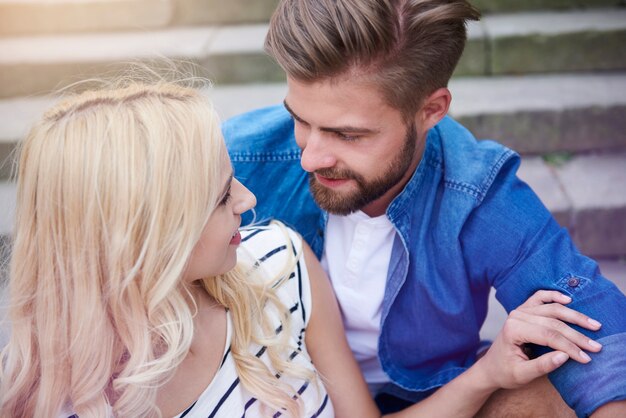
x=545 y=77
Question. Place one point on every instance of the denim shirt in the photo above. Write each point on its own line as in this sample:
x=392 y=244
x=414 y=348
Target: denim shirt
x=465 y=223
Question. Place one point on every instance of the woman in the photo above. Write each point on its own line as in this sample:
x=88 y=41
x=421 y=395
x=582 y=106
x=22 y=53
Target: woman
x=128 y=298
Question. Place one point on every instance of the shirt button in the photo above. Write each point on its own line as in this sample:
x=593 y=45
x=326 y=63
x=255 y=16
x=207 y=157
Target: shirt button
x=573 y=281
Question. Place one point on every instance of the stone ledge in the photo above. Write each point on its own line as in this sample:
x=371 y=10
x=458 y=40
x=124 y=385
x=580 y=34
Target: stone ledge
x=556 y=41
x=200 y=12
x=589 y=39
x=32 y=17
x=587 y=195
x=508 y=6
x=596 y=186
x=35 y=17
x=545 y=113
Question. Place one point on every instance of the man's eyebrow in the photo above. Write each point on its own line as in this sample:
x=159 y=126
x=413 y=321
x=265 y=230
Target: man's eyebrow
x=334 y=129
x=226 y=186
x=349 y=129
x=296 y=117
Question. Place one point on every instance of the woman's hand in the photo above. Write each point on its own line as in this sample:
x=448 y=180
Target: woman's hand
x=540 y=320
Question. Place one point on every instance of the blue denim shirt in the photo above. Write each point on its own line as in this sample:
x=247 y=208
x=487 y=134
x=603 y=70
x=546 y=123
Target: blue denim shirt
x=465 y=223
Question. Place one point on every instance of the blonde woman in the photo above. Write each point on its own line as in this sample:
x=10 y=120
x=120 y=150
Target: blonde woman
x=129 y=296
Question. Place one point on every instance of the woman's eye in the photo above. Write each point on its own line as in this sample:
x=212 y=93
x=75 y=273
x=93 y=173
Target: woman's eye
x=226 y=198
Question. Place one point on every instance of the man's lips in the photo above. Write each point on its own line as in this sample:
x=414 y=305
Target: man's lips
x=328 y=182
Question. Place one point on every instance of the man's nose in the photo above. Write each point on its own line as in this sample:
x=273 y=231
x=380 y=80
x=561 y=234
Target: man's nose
x=316 y=153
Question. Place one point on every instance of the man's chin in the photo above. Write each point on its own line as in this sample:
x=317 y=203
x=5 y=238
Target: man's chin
x=334 y=202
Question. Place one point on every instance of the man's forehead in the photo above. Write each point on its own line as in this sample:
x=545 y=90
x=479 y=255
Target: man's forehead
x=331 y=109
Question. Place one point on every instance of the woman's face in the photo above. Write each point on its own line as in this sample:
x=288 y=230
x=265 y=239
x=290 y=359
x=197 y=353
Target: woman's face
x=216 y=251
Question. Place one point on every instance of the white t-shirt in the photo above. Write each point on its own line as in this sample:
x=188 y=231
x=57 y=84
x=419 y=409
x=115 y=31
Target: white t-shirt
x=357 y=250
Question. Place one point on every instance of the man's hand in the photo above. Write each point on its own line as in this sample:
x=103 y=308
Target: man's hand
x=539 y=320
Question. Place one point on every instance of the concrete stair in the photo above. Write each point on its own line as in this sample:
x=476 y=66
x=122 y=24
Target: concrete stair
x=18 y=17
x=508 y=6
x=534 y=42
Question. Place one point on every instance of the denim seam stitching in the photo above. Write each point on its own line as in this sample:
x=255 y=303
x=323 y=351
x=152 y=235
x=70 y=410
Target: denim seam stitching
x=479 y=192
x=496 y=169
x=243 y=157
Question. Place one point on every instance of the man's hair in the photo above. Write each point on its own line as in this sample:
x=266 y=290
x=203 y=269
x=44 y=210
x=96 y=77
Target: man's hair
x=405 y=48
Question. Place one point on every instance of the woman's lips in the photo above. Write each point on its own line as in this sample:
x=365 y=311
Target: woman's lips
x=236 y=239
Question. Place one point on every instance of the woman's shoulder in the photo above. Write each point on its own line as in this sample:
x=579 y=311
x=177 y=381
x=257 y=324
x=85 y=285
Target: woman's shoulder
x=263 y=242
x=276 y=251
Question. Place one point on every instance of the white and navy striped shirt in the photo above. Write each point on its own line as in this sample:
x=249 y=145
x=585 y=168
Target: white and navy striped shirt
x=225 y=396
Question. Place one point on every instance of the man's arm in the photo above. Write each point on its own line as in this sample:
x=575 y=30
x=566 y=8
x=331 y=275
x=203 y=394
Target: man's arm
x=513 y=241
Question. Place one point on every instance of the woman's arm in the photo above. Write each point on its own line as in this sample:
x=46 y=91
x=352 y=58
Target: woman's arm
x=505 y=365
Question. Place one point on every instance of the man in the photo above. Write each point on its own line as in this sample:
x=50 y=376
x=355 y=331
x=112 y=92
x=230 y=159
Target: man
x=413 y=219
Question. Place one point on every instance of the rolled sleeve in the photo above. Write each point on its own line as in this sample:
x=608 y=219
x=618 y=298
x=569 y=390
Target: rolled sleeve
x=514 y=242
x=586 y=387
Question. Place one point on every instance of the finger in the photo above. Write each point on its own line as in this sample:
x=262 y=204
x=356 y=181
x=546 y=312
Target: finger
x=563 y=313
x=536 y=333
x=547 y=323
x=578 y=338
x=540 y=366
x=546 y=296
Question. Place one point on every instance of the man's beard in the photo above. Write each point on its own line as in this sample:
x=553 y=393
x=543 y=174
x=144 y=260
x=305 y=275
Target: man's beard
x=367 y=191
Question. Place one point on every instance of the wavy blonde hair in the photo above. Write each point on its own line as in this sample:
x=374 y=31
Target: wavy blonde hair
x=114 y=188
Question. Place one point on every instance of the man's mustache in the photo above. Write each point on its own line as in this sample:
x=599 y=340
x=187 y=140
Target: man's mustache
x=337 y=173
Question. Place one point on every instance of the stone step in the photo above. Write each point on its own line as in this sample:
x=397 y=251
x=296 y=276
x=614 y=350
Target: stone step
x=577 y=40
x=507 y=6
x=569 y=113
x=586 y=195
x=19 y=17
x=539 y=114
x=7 y=208
x=500 y=44
x=41 y=64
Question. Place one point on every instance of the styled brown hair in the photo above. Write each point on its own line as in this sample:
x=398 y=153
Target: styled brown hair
x=406 y=48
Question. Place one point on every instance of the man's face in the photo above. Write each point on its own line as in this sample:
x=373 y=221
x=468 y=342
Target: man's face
x=359 y=151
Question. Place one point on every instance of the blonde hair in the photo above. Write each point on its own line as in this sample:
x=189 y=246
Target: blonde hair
x=114 y=189
x=405 y=48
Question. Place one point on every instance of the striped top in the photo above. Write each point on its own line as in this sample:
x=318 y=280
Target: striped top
x=225 y=396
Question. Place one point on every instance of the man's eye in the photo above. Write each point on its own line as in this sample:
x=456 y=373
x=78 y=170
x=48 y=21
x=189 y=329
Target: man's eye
x=346 y=137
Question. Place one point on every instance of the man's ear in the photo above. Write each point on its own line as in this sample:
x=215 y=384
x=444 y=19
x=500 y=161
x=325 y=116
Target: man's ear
x=434 y=108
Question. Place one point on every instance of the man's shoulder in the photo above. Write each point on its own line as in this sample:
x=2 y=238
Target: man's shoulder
x=269 y=129
x=468 y=164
